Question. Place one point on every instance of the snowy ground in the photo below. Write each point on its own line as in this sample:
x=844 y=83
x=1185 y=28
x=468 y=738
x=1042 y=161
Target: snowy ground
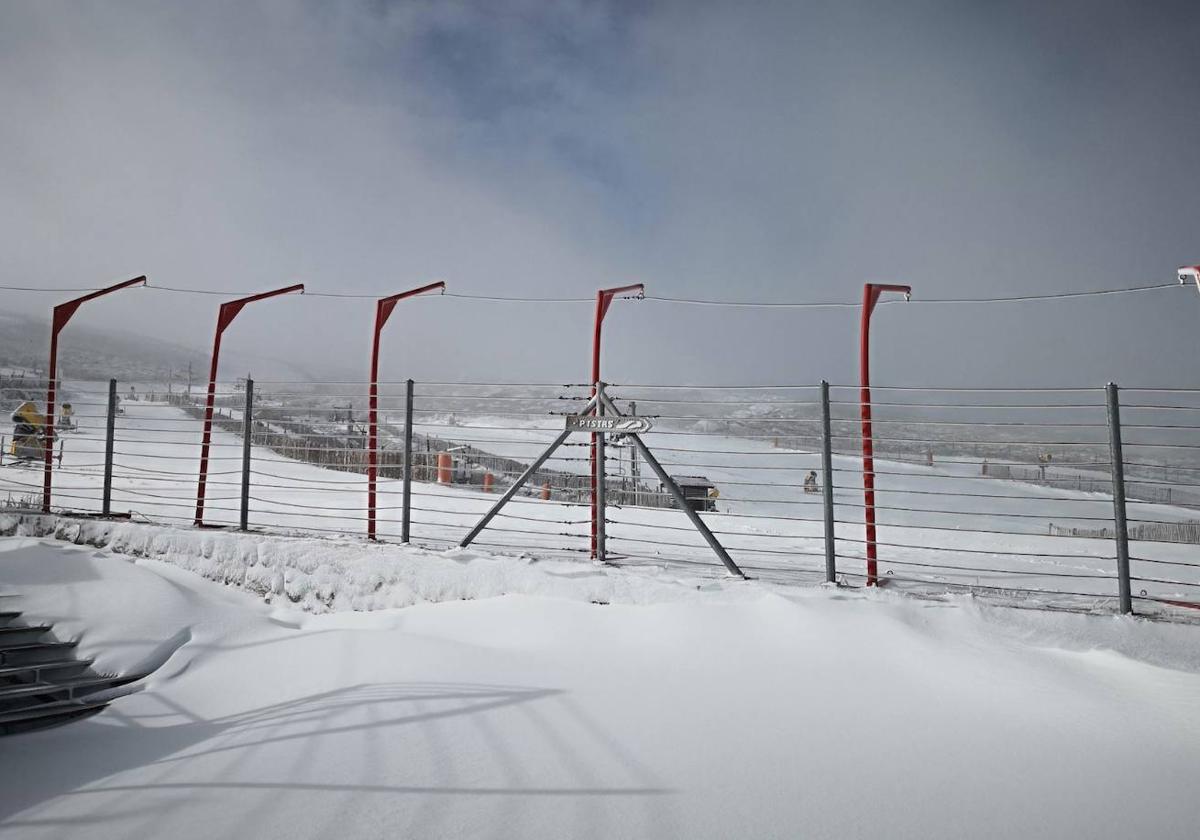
x=730 y=710
x=773 y=530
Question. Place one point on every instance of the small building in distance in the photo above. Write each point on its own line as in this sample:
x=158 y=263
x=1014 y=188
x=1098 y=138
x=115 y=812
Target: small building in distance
x=701 y=494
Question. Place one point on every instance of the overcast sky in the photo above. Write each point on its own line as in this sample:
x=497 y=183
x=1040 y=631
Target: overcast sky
x=767 y=151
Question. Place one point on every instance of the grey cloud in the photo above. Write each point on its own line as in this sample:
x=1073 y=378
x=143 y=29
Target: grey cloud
x=765 y=150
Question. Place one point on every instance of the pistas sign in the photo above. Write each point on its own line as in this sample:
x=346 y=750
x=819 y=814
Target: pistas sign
x=619 y=425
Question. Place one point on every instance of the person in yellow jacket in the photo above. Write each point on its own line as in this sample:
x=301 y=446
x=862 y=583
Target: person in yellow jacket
x=713 y=495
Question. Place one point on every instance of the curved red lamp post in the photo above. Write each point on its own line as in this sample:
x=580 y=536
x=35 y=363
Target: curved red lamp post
x=604 y=299
x=62 y=314
x=229 y=311
x=871 y=293
x=383 y=310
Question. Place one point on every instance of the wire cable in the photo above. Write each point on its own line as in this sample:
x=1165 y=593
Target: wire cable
x=854 y=304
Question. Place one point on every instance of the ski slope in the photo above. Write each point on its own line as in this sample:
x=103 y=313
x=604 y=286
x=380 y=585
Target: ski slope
x=770 y=527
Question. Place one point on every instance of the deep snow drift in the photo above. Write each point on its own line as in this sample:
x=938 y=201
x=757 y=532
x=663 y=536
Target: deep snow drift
x=731 y=710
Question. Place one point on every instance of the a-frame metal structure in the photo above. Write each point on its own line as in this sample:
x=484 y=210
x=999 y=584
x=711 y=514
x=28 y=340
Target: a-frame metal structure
x=600 y=417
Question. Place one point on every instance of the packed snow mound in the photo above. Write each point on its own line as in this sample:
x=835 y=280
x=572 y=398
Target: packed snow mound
x=127 y=618
x=741 y=711
x=322 y=576
x=329 y=575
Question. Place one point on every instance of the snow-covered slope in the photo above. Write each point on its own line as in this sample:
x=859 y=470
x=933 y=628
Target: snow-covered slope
x=742 y=710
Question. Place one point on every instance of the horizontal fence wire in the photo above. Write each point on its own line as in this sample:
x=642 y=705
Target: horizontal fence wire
x=997 y=492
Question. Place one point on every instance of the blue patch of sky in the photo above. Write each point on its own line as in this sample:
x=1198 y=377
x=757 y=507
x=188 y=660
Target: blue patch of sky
x=531 y=86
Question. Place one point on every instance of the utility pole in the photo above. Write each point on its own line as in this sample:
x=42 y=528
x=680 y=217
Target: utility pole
x=604 y=299
x=871 y=293
x=225 y=316
x=60 y=315
x=383 y=311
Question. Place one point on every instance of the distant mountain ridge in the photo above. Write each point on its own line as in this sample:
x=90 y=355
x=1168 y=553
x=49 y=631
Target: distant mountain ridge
x=91 y=353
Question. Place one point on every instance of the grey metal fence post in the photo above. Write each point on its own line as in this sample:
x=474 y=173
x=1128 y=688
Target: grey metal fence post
x=601 y=496
x=247 y=435
x=1118 y=478
x=406 y=511
x=109 y=436
x=827 y=484
x=634 y=472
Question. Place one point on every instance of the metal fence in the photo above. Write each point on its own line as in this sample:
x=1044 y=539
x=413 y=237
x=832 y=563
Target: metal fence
x=1084 y=498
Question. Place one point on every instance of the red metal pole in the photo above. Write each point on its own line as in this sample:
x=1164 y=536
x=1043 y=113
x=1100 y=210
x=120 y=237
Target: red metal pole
x=62 y=314
x=383 y=311
x=229 y=310
x=871 y=292
x=604 y=299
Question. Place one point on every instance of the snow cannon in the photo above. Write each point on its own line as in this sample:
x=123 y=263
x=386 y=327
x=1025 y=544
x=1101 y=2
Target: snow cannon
x=1189 y=272
x=27 y=419
x=29 y=427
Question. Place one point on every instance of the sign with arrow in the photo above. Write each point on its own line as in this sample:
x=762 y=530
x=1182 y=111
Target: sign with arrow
x=611 y=423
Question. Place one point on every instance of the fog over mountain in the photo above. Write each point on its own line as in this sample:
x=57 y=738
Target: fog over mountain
x=91 y=353
x=774 y=151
